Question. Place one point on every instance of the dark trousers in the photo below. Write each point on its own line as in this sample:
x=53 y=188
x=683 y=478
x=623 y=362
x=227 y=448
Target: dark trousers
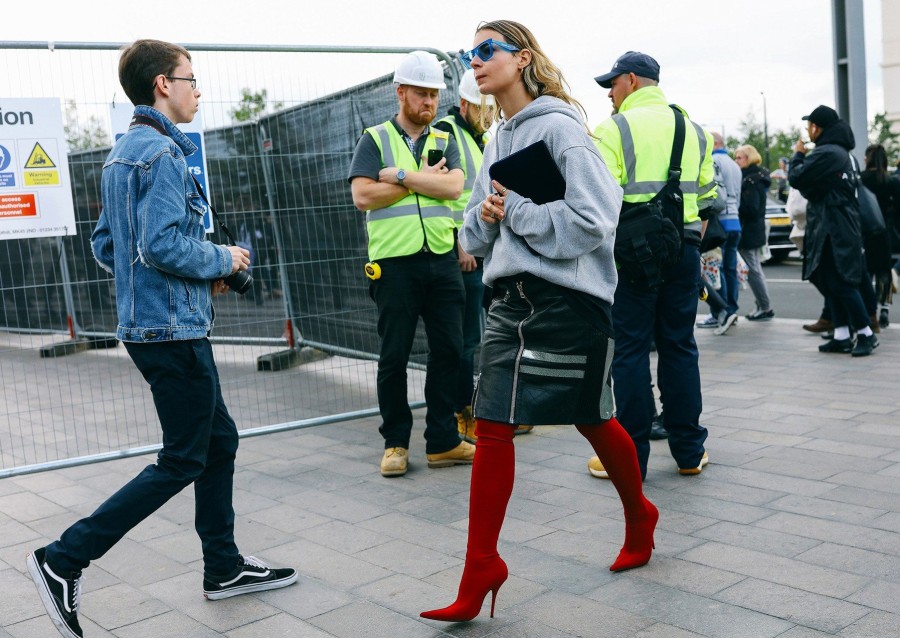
x=200 y=441
x=428 y=286
x=843 y=298
x=666 y=315
x=472 y=329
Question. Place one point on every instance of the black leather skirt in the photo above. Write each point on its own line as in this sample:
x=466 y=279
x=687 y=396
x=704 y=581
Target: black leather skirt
x=542 y=362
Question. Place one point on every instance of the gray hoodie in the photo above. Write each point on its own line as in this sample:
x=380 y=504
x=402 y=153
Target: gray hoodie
x=573 y=236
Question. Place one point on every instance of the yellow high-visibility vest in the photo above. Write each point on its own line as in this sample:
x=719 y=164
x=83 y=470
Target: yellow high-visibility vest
x=470 y=157
x=416 y=221
x=636 y=144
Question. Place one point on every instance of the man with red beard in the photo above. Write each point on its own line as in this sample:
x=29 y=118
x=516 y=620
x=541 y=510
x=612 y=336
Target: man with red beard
x=412 y=263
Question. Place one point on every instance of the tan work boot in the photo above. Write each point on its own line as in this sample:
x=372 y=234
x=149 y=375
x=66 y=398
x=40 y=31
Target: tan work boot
x=522 y=429
x=465 y=424
x=395 y=461
x=461 y=454
x=595 y=467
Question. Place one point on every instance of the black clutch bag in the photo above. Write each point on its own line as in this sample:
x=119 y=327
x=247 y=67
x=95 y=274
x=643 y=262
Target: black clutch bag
x=531 y=172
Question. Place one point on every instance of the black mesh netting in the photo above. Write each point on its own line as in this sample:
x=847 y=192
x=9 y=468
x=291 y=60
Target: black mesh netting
x=323 y=240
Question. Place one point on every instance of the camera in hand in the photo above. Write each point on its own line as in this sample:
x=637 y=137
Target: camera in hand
x=240 y=282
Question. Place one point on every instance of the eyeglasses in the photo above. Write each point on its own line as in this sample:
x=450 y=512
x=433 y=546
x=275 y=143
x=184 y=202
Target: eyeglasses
x=193 y=81
x=485 y=51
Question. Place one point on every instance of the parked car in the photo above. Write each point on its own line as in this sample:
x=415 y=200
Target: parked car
x=778 y=221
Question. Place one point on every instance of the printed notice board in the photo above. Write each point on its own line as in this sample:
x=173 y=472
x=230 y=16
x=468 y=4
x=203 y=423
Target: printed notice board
x=35 y=191
x=120 y=116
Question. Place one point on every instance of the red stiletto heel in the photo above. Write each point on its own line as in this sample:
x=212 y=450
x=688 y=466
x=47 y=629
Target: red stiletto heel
x=639 y=543
x=478 y=579
x=492 y=482
x=616 y=451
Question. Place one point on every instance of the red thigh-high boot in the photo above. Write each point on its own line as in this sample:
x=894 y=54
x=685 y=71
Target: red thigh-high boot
x=493 y=471
x=617 y=454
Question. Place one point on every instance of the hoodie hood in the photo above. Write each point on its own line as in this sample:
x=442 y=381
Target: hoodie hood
x=528 y=122
x=838 y=133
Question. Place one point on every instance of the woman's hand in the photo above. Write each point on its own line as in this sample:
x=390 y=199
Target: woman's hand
x=493 y=207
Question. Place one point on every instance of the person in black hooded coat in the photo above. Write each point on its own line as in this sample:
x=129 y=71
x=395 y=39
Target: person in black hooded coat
x=833 y=251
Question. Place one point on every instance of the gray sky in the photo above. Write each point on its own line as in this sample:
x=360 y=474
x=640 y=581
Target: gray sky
x=716 y=56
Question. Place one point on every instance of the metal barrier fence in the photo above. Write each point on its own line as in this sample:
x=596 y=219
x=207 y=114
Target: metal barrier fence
x=280 y=181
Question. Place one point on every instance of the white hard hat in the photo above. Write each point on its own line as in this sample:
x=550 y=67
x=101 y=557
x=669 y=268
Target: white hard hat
x=420 y=68
x=468 y=90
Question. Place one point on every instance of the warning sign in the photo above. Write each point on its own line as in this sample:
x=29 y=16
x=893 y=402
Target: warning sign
x=40 y=170
x=7 y=177
x=18 y=205
x=39 y=158
x=35 y=188
x=41 y=178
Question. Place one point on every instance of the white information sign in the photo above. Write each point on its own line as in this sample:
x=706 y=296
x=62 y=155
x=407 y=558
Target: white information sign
x=120 y=117
x=35 y=191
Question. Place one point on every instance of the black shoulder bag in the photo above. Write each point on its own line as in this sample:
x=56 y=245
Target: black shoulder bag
x=649 y=234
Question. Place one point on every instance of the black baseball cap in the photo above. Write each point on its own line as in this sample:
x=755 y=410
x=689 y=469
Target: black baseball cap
x=822 y=116
x=635 y=62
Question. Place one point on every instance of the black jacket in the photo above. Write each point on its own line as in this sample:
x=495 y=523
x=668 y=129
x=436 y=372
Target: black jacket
x=752 y=209
x=888 y=194
x=825 y=177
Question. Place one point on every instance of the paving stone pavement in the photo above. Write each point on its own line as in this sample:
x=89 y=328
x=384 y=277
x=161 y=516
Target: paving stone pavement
x=792 y=531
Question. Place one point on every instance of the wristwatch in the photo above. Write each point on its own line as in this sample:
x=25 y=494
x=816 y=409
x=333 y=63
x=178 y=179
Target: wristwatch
x=401 y=175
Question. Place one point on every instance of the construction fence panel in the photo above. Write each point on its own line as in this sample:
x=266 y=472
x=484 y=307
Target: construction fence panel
x=280 y=125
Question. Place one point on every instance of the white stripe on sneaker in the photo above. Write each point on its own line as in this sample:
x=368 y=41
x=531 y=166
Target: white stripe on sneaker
x=255 y=574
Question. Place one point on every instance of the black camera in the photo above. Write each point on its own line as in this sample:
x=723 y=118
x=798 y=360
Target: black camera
x=240 y=282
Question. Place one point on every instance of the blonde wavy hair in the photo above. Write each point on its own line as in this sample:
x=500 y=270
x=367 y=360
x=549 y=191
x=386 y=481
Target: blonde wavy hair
x=541 y=76
x=753 y=156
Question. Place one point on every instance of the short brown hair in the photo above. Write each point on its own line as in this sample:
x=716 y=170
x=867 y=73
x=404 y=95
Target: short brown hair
x=141 y=62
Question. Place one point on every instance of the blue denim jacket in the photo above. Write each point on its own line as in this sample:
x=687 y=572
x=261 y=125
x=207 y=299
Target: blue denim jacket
x=150 y=236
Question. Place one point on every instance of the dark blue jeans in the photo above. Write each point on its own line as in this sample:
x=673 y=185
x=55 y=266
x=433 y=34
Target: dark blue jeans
x=429 y=286
x=200 y=441
x=473 y=329
x=667 y=315
x=730 y=284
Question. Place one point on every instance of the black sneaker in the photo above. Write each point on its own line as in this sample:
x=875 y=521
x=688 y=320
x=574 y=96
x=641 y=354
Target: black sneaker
x=254 y=575
x=837 y=345
x=60 y=593
x=865 y=344
x=658 y=430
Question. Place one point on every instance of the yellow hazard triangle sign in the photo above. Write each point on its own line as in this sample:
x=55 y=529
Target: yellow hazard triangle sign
x=39 y=158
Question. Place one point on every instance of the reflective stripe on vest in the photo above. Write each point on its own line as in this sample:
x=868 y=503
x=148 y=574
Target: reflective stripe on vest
x=471 y=158
x=415 y=221
x=638 y=189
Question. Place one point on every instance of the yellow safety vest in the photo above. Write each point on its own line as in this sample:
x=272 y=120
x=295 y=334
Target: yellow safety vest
x=470 y=156
x=636 y=145
x=417 y=221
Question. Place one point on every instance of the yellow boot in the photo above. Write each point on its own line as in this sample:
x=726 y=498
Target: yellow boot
x=465 y=425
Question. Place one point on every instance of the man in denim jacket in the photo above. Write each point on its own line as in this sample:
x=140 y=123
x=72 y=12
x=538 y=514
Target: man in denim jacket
x=151 y=237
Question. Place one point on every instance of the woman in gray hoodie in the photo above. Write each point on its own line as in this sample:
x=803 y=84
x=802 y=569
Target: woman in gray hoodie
x=548 y=343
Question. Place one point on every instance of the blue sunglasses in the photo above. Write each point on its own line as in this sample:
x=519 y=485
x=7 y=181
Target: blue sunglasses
x=485 y=51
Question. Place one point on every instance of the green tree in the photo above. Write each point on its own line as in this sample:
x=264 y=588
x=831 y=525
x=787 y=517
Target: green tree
x=880 y=132
x=751 y=131
x=83 y=134
x=252 y=105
